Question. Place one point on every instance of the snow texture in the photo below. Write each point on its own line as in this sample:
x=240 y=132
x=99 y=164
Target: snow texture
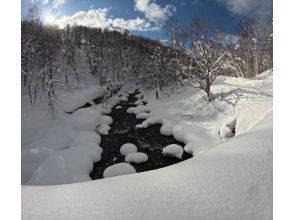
x=229 y=178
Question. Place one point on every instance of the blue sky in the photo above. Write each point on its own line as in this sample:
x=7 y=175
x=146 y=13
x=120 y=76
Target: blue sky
x=146 y=17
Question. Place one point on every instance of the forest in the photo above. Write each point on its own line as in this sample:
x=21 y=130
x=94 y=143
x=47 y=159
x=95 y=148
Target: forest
x=194 y=54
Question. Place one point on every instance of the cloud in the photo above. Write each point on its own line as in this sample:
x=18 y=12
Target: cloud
x=138 y=24
x=249 y=7
x=99 y=18
x=56 y=3
x=92 y=18
x=153 y=11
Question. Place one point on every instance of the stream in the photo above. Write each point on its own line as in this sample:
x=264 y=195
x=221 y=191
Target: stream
x=148 y=140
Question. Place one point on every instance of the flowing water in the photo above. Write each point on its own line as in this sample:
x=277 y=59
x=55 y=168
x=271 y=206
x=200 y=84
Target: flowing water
x=148 y=140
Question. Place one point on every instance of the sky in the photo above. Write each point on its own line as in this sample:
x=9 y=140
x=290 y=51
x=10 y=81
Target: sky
x=146 y=17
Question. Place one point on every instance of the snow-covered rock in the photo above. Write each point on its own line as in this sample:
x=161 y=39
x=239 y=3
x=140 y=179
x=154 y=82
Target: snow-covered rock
x=166 y=128
x=123 y=99
x=173 y=150
x=142 y=115
x=118 y=170
x=137 y=157
x=131 y=110
x=107 y=119
x=128 y=148
x=118 y=107
x=103 y=129
x=131 y=91
x=139 y=96
x=138 y=102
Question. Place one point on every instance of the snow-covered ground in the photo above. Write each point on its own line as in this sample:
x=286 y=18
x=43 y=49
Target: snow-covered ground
x=228 y=177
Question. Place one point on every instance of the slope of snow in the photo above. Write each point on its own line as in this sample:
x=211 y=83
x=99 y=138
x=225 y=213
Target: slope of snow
x=229 y=177
x=231 y=181
x=62 y=150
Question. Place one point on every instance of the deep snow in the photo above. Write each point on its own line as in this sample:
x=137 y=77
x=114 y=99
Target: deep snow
x=229 y=177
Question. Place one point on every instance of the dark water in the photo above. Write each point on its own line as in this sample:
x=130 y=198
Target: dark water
x=148 y=140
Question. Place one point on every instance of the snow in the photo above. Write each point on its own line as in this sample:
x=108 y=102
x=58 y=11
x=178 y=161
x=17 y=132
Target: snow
x=139 y=96
x=142 y=115
x=137 y=157
x=127 y=149
x=67 y=166
x=107 y=120
x=173 y=150
x=118 y=170
x=118 y=107
x=123 y=98
x=230 y=181
x=91 y=137
x=103 y=129
x=138 y=102
x=62 y=150
x=229 y=176
x=75 y=100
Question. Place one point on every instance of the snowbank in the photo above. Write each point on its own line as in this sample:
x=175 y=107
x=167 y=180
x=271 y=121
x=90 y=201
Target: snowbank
x=230 y=181
x=118 y=170
x=62 y=150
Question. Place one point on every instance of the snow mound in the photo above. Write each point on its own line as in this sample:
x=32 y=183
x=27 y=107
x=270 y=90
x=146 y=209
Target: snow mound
x=103 y=129
x=85 y=119
x=166 y=128
x=89 y=145
x=138 y=157
x=173 y=150
x=142 y=115
x=127 y=149
x=105 y=111
x=118 y=107
x=131 y=91
x=107 y=119
x=91 y=137
x=123 y=99
x=138 y=103
x=118 y=170
x=67 y=166
x=131 y=110
x=227 y=131
x=139 y=96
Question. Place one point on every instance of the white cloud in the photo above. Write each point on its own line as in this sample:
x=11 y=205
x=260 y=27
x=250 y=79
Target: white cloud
x=131 y=24
x=92 y=18
x=245 y=7
x=56 y=3
x=99 y=18
x=153 y=11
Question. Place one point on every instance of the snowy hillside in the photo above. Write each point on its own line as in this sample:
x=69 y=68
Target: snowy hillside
x=229 y=176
